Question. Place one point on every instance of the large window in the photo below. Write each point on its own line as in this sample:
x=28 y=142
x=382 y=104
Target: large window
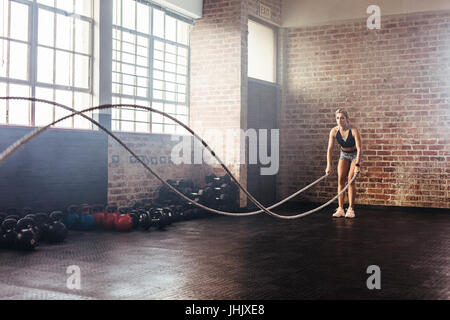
x=46 y=52
x=150 y=67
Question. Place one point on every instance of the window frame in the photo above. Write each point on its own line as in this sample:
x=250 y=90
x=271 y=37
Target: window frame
x=32 y=82
x=116 y=122
x=276 y=49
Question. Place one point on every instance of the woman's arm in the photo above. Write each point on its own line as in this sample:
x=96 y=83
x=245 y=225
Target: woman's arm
x=330 y=147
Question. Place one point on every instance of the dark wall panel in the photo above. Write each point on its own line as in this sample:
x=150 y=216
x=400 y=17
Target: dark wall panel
x=57 y=168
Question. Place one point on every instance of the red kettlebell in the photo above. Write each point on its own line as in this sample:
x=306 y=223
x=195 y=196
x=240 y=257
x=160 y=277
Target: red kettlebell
x=98 y=211
x=124 y=222
x=110 y=217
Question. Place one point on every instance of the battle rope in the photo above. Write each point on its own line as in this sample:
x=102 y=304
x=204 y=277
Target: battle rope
x=37 y=131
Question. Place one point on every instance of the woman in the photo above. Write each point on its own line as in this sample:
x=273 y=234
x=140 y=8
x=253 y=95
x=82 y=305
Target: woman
x=349 y=161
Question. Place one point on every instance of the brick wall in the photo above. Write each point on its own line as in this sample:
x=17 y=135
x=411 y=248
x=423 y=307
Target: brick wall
x=395 y=83
x=130 y=181
x=217 y=86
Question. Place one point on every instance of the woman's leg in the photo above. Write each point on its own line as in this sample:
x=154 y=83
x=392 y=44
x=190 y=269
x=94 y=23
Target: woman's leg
x=352 y=187
x=343 y=168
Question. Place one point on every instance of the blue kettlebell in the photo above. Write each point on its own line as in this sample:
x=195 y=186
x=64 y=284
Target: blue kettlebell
x=87 y=220
x=72 y=218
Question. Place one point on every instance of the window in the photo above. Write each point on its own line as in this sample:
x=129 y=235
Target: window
x=150 y=67
x=262 y=52
x=49 y=56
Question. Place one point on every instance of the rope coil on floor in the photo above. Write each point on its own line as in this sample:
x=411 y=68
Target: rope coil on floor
x=25 y=139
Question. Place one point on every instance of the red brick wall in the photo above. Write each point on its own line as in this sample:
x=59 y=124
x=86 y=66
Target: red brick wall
x=395 y=83
x=129 y=181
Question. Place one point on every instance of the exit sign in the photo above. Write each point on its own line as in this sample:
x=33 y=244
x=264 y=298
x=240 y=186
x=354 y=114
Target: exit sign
x=264 y=11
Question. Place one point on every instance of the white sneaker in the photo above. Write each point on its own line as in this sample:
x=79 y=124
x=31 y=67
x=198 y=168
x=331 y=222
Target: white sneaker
x=339 y=213
x=350 y=213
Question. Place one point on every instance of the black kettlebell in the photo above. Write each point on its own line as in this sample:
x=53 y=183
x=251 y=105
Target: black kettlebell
x=26 y=240
x=8 y=233
x=57 y=232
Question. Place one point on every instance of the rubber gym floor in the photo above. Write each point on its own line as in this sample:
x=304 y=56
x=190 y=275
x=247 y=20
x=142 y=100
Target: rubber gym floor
x=257 y=257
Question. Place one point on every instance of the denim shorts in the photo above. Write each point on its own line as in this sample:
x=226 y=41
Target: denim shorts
x=350 y=156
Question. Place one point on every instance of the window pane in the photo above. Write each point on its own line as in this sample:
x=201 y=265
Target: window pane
x=4 y=18
x=82 y=71
x=170 y=48
x=3 y=103
x=115 y=125
x=169 y=108
x=156 y=117
x=65 y=98
x=64 y=33
x=63 y=75
x=19 y=17
x=66 y=5
x=170 y=96
x=19 y=110
x=182 y=51
x=43 y=111
x=45 y=65
x=143 y=15
x=171 y=29
x=81 y=102
x=142 y=115
x=127 y=126
x=141 y=92
x=169 y=129
x=182 y=32
x=4 y=62
x=129 y=14
x=117 y=9
x=83 y=7
x=157 y=128
x=46 y=28
x=82 y=36
x=182 y=109
x=261 y=52
x=18 y=69
x=158 y=23
x=142 y=127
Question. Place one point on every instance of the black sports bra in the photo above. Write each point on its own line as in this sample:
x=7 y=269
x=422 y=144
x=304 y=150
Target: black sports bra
x=349 y=142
